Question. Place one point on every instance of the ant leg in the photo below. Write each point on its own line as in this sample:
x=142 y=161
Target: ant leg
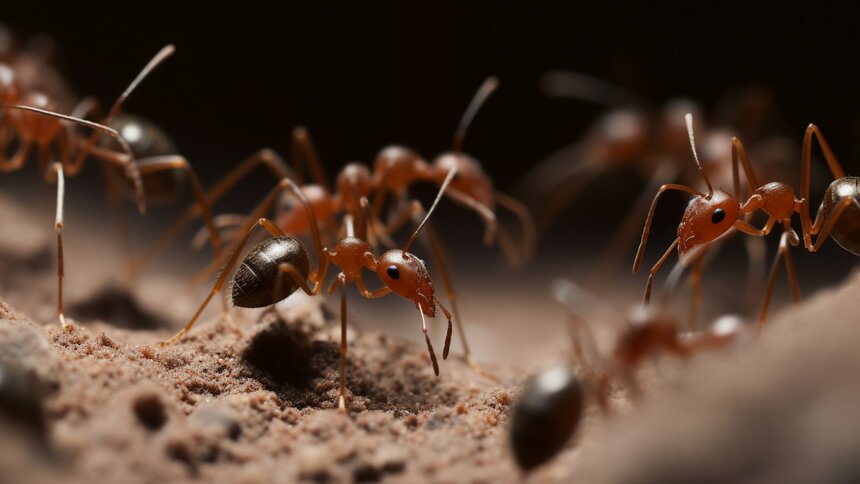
x=806 y=167
x=625 y=235
x=303 y=149
x=482 y=210
x=739 y=153
x=367 y=294
x=448 y=332
x=125 y=162
x=158 y=164
x=219 y=283
x=266 y=157
x=656 y=268
x=341 y=399
x=222 y=222
x=782 y=252
x=526 y=220
x=58 y=226
x=826 y=224
x=637 y=262
x=696 y=290
x=429 y=344
x=18 y=159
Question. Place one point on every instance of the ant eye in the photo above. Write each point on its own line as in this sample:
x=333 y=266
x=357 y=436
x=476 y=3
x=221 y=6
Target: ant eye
x=718 y=216
x=393 y=272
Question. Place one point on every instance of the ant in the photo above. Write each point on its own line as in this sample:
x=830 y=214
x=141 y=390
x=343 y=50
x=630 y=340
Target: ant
x=551 y=406
x=710 y=215
x=650 y=141
x=32 y=118
x=279 y=266
x=352 y=182
x=397 y=167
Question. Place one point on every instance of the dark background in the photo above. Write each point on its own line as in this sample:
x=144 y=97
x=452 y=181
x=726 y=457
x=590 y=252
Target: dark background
x=361 y=77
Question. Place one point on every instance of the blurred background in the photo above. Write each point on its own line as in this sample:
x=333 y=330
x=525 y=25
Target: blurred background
x=361 y=77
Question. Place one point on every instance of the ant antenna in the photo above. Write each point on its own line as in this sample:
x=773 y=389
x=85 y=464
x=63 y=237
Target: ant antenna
x=487 y=88
x=83 y=122
x=444 y=186
x=689 y=118
x=163 y=54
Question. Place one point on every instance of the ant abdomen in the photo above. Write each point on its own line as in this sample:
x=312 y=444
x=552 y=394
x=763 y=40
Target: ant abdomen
x=255 y=282
x=546 y=416
x=846 y=232
x=146 y=140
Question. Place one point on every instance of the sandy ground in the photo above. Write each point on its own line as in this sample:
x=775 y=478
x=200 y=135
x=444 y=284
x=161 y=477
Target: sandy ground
x=260 y=407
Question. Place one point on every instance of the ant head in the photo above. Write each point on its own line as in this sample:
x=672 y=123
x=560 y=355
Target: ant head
x=396 y=167
x=623 y=134
x=35 y=126
x=470 y=177
x=291 y=216
x=407 y=275
x=353 y=182
x=10 y=91
x=707 y=218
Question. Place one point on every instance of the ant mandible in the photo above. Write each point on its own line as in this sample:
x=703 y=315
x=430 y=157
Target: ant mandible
x=710 y=215
x=279 y=266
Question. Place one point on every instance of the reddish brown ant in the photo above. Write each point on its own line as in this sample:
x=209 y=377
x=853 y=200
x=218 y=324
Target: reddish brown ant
x=711 y=215
x=279 y=266
x=635 y=135
x=396 y=168
x=38 y=124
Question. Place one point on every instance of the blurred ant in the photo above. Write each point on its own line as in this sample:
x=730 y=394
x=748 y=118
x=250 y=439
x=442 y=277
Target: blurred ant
x=279 y=266
x=31 y=117
x=396 y=168
x=710 y=215
x=551 y=406
x=652 y=142
x=353 y=182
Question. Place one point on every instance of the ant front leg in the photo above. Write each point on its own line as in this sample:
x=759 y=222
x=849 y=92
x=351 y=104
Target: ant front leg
x=656 y=268
x=340 y=283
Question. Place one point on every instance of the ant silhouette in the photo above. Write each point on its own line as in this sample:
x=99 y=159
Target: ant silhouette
x=32 y=118
x=711 y=215
x=279 y=266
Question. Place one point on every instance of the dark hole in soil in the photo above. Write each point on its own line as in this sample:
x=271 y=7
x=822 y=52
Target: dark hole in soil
x=150 y=411
x=119 y=307
x=280 y=354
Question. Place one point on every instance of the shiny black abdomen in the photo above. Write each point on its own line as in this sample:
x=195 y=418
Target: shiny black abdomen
x=147 y=140
x=846 y=232
x=255 y=282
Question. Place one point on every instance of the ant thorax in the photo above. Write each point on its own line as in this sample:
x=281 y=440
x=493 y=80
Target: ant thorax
x=706 y=219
